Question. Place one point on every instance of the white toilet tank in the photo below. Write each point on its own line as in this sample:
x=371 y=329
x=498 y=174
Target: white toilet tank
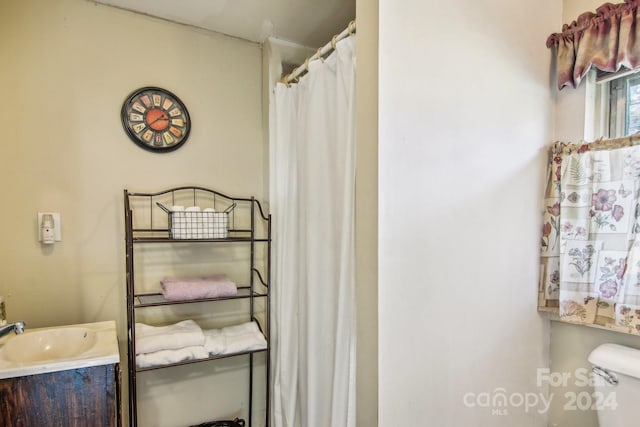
x=617 y=385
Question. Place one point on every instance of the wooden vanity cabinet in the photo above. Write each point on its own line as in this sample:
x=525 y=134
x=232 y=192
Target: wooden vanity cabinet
x=74 y=398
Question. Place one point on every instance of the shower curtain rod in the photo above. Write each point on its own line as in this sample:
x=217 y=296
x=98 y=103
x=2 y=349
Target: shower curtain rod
x=295 y=74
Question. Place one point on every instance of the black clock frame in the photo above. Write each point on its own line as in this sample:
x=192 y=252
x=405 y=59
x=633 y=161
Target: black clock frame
x=135 y=138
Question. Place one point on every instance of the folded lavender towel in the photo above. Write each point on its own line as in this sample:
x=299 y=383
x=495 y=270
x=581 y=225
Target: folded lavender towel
x=190 y=288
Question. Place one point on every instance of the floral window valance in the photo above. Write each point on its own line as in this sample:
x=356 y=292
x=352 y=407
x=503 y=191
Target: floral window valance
x=590 y=248
x=607 y=39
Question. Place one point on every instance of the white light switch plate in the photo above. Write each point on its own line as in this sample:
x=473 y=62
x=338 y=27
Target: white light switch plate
x=57 y=225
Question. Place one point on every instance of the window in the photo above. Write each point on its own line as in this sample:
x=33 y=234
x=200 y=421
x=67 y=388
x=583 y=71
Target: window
x=616 y=104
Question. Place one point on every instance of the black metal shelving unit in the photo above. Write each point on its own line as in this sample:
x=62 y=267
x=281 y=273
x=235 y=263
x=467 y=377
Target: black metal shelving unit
x=146 y=223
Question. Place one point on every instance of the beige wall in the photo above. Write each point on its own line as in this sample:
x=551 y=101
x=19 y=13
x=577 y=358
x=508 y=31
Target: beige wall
x=367 y=213
x=571 y=344
x=67 y=66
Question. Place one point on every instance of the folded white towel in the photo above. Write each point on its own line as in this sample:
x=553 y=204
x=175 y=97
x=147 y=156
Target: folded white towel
x=220 y=225
x=178 y=222
x=165 y=357
x=207 y=223
x=244 y=342
x=242 y=328
x=150 y=339
x=234 y=339
x=214 y=342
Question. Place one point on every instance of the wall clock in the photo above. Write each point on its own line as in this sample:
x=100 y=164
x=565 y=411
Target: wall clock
x=155 y=119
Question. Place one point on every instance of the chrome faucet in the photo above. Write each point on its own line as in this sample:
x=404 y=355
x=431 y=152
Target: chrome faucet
x=17 y=327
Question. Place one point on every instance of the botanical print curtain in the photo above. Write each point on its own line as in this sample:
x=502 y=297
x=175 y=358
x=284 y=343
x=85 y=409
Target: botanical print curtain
x=590 y=247
x=312 y=200
x=607 y=39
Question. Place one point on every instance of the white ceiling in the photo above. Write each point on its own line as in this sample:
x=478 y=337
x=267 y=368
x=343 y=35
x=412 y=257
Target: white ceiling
x=307 y=22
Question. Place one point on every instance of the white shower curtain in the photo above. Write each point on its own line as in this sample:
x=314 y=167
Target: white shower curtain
x=312 y=179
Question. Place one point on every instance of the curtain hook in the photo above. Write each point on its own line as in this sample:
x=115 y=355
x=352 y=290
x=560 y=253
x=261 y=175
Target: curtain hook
x=306 y=64
x=319 y=54
x=333 y=41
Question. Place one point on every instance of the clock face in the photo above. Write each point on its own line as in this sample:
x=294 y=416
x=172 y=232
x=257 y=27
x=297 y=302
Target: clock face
x=155 y=119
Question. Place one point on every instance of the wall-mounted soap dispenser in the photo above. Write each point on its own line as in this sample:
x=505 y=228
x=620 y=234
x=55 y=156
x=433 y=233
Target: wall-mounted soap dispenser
x=49 y=227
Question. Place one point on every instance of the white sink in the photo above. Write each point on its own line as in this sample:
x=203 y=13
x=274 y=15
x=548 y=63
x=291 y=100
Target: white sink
x=59 y=348
x=50 y=344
